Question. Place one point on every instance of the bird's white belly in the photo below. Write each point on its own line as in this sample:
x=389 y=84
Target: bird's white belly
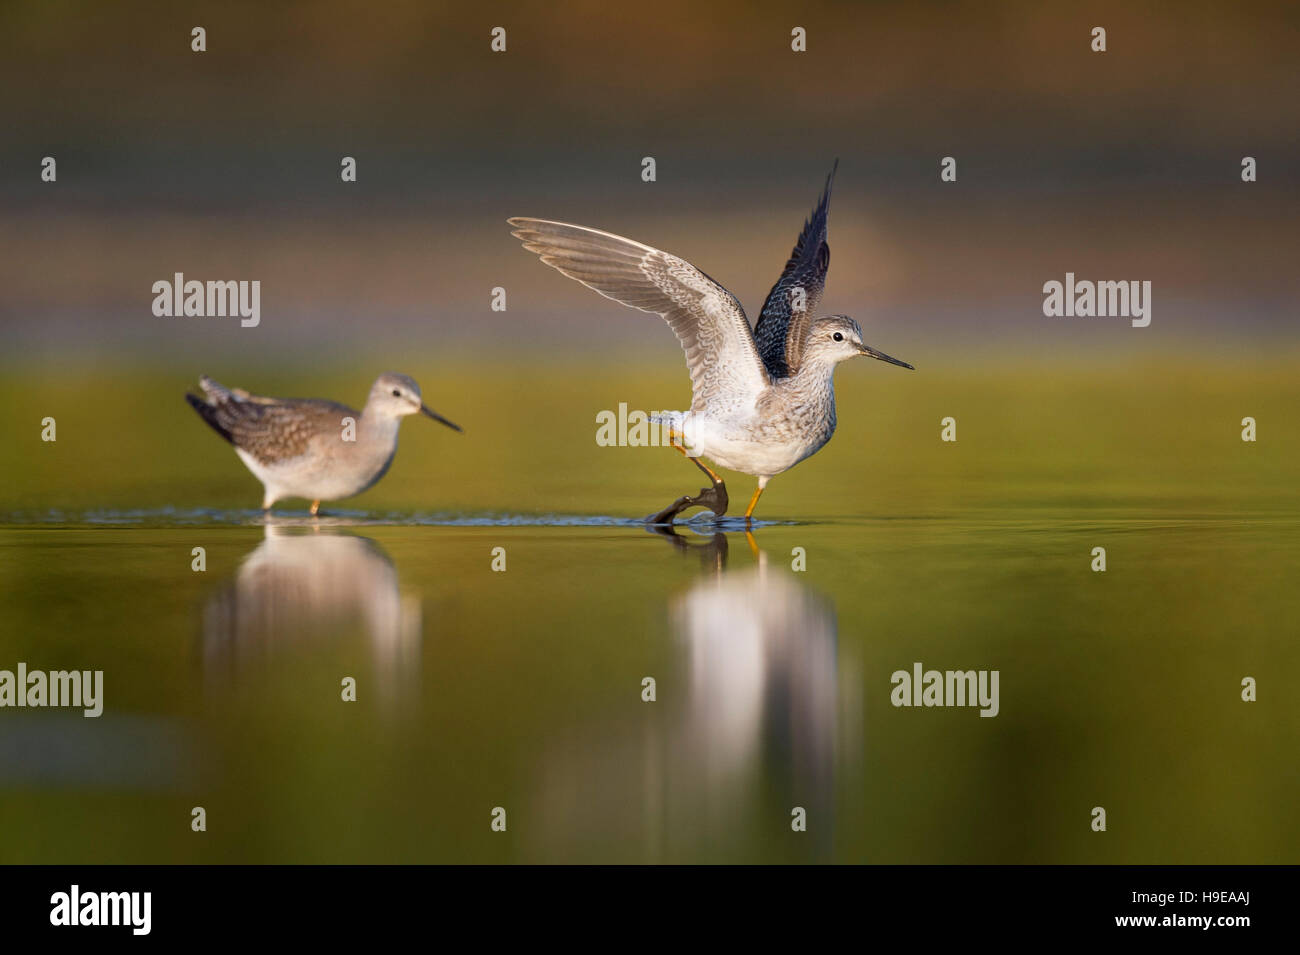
x=300 y=477
x=750 y=451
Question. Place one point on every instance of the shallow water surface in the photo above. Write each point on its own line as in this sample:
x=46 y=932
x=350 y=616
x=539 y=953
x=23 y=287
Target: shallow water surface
x=772 y=657
x=522 y=689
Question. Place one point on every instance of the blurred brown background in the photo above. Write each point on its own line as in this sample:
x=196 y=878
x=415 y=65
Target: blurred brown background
x=225 y=165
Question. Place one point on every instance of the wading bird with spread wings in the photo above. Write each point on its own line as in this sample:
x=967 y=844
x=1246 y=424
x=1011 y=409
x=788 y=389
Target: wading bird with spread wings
x=762 y=400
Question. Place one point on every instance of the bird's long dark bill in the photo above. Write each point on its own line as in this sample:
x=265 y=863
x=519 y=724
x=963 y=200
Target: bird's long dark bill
x=440 y=419
x=868 y=350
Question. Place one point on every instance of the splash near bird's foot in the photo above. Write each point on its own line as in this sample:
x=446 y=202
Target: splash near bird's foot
x=714 y=498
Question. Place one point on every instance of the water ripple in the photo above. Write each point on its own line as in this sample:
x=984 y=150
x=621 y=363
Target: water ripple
x=203 y=516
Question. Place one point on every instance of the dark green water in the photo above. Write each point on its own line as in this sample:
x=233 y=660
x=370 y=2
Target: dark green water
x=522 y=689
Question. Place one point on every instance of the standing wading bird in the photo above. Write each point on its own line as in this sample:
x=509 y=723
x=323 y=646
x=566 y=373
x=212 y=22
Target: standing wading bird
x=309 y=447
x=762 y=401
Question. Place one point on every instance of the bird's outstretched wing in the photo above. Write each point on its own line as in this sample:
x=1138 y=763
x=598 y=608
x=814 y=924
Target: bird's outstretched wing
x=273 y=430
x=782 y=326
x=726 y=371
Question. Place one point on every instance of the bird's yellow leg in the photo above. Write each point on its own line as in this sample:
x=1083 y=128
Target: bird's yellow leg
x=753 y=502
x=315 y=506
x=674 y=437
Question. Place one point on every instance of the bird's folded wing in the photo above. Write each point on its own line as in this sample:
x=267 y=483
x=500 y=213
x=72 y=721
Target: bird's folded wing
x=273 y=430
x=782 y=327
x=725 y=368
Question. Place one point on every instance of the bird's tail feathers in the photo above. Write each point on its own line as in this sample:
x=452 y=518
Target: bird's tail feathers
x=209 y=413
x=214 y=389
x=678 y=428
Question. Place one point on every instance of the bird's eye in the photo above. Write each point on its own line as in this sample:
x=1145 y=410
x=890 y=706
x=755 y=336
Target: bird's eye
x=838 y=337
x=396 y=393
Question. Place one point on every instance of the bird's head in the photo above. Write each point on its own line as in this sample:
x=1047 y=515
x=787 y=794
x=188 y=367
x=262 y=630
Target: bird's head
x=837 y=338
x=395 y=396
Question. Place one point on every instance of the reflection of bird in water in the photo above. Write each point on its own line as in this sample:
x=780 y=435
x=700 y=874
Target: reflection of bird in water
x=297 y=588
x=743 y=730
x=712 y=552
x=763 y=689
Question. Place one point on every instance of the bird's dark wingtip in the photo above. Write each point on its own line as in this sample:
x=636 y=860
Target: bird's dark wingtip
x=823 y=204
